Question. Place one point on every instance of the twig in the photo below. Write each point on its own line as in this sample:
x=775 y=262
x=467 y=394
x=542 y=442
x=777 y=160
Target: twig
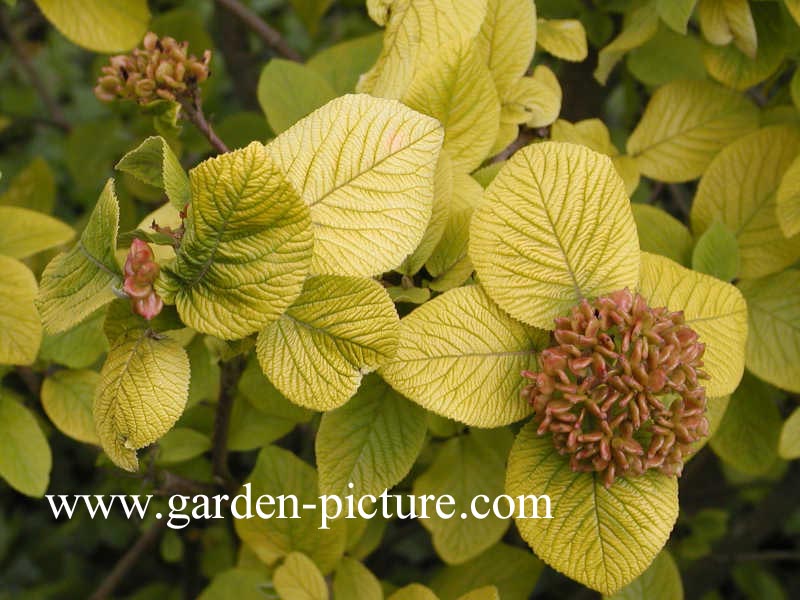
x=128 y=561
x=26 y=66
x=257 y=25
x=525 y=137
x=229 y=378
x=193 y=112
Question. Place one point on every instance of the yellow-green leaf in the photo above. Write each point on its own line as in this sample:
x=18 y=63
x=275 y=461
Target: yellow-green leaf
x=667 y=56
x=739 y=189
x=371 y=442
x=25 y=461
x=488 y=592
x=181 y=444
x=341 y=65
x=78 y=282
x=787 y=202
x=534 y=100
x=24 y=232
x=278 y=472
x=456 y=88
x=640 y=26
x=298 y=578
x=661 y=580
x=79 y=347
x=338 y=329
x=747 y=437
x=555 y=226
x=100 y=25
x=676 y=13
x=793 y=7
x=717 y=253
x=507 y=40
x=20 y=328
x=143 y=389
x=415 y=31
x=414 y=591
x=34 y=188
x=354 y=162
x=563 y=38
x=465 y=467
x=789 y=442
x=726 y=21
x=661 y=233
x=67 y=398
x=714 y=309
x=602 y=538
x=460 y=356
x=154 y=163
x=773 y=346
x=242 y=582
x=685 y=124
x=354 y=580
x=247 y=246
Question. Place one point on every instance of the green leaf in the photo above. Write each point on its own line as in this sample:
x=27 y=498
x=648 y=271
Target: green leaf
x=353 y=162
x=717 y=253
x=747 y=437
x=789 y=442
x=310 y=12
x=79 y=347
x=773 y=346
x=465 y=467
x=298 y=578
x=414 y=591
x=25 y=461
x=246 y=250
x=33 y=188
x=795 y=85
x=78 y=282
x=205 y=383
x=277 y=472
x=266 y=398
x=555 y=226
x=739 y=190
x=371 y=442
x=793 y=6
x=726 y=21
x=640 y=26
x=685 y=124
x=67 y=399
x=514 y=571
x=563 y=38
x=667 y=56
x=602 y=538
x=676 y=13
x=661 y=233
x=488 y=592
x=414 y=32
x=757 y=582
x=100 y=25
x=256 y=425
x=338 y=329
x=20 y=329
x=181 y=444
x=289 y=91
x=661 y=580
x=354 y=580
x=142 y=392
x=507 y=40
x=456 y=87
x=715 y=310
x=25 y=232
x=240 y=583
x=460 y=356
x=154 y=163
x=341 y=65
x=787 y=202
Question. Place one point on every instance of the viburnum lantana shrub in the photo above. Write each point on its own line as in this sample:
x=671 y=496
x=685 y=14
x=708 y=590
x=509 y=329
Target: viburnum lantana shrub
x=410 y=274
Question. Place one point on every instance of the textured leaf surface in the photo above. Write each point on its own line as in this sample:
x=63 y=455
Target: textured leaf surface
x=247 y=246
x=563 y=38
x=354 y=162
x=717 y=253
x=277 y=472
x=603 y=538
x=465 y=467
x=773 y=346
x=789 y=442
x=338 y=329
x=641 y=25
x=460 y=356
x=715 y=310
x=371 y=442
x=78 y=282
x=20 y=329
x=676 y=13
x=747 y=437
x=24 y=232
x=661 y=233
x=154 y=163
x=555 y=226
x=661 y=580
x=143 y=388
x=25 y=461
x=788 y=200
x=739 y=190
x=99 y=25
x=354 y=580
x=685 y=124
x=67 y=399
x=455 y=87
x=298 y=578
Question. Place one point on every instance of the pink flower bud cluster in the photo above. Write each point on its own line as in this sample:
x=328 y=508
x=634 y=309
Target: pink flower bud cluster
x=620 y=391
x=140 y=274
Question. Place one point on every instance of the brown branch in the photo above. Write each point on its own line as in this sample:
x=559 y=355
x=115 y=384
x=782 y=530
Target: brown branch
x=192 y=111
x=129 y=560
x=229 y=377
x=257 y=25
x=26 y=66
x=525 y=137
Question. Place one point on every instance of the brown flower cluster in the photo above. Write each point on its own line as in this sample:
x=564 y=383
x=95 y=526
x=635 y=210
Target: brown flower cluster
x=620 y=391
x=140 y=273
x=162 y=70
